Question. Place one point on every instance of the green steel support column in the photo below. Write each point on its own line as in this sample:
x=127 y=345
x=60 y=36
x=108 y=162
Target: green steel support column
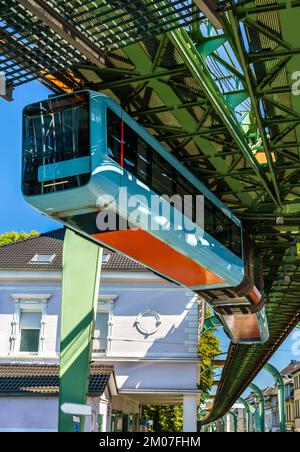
x=80 y=289
x=211 y=322
x=281 y=396
x=247 y=409
x=223 y=422
x=209 y=45
x=261 y=405
x=235 y=421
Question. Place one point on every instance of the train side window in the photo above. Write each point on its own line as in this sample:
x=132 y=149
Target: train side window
x=209 y=217
x=223 y=229
x=184 y=187
x=113 y=135
x=161 y=176
x=143 y=160
x=81 y=117
x=130 y=149
x=236 y=239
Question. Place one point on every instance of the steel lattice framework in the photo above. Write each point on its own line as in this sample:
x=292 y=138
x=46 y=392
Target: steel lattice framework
x=221 y=100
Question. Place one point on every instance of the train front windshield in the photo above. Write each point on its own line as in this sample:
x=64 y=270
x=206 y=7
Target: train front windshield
x=56 y=131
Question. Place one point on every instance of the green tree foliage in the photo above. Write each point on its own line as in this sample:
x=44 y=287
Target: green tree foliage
x=166 y=418
x=207 y=350
x=9 y=237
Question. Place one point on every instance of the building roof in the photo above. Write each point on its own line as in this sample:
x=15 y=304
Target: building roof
x=251 y=397
x=18 y=255
x=293 y=367
x=36 y=379
x=270 y=391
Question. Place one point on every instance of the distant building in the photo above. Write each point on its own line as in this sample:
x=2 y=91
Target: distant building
x=145 y=346
x=253 y=402
x=290 y=404
x=271 y=409
x=296 y=378
x=238 y=411
x=291 y=378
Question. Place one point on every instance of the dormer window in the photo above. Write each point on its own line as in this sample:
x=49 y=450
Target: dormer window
x=105 y=258
x=42 y=258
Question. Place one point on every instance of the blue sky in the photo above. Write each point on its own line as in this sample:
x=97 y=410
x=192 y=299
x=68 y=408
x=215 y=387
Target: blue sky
x=16 y=215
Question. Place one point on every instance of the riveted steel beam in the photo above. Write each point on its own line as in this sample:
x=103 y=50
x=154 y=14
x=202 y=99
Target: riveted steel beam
x=275 y=55
x=233 y=30
x=185 y=46
x=164 y=109
x=168 y=95
x=244 y=10
x=141 y=78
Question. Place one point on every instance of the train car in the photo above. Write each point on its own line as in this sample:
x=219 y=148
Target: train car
x=89 y=165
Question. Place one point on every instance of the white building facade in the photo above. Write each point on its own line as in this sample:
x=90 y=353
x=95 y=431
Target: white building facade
x=146 y=333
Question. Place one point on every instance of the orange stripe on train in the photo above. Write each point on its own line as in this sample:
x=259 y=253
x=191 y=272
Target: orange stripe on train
x=255 y=295
x=153 y=253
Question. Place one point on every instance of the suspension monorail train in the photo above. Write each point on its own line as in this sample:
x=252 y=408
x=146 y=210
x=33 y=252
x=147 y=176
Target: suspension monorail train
x=78 y=151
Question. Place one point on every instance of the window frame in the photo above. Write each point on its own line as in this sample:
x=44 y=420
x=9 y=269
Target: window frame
x=37 y=262
x=27 y=309
x=34 y=117
x=105 y=305
x=27 y=303
x=38 y=341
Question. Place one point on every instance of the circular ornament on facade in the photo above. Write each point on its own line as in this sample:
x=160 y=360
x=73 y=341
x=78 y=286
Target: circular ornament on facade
x=148 y=322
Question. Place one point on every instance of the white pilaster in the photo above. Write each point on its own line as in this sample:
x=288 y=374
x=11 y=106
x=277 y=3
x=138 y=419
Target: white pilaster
x=190 y=413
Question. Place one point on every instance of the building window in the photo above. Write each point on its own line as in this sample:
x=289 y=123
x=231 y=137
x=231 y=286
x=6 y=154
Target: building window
x=297 y=382
x=30 y=329
x=103 y=326
x=28 y=323
x=105 y=258
x=297 y=408
x=101 y=332
x=42 y=258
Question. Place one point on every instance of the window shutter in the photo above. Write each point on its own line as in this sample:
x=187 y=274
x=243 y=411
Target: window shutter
x=101 y=330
